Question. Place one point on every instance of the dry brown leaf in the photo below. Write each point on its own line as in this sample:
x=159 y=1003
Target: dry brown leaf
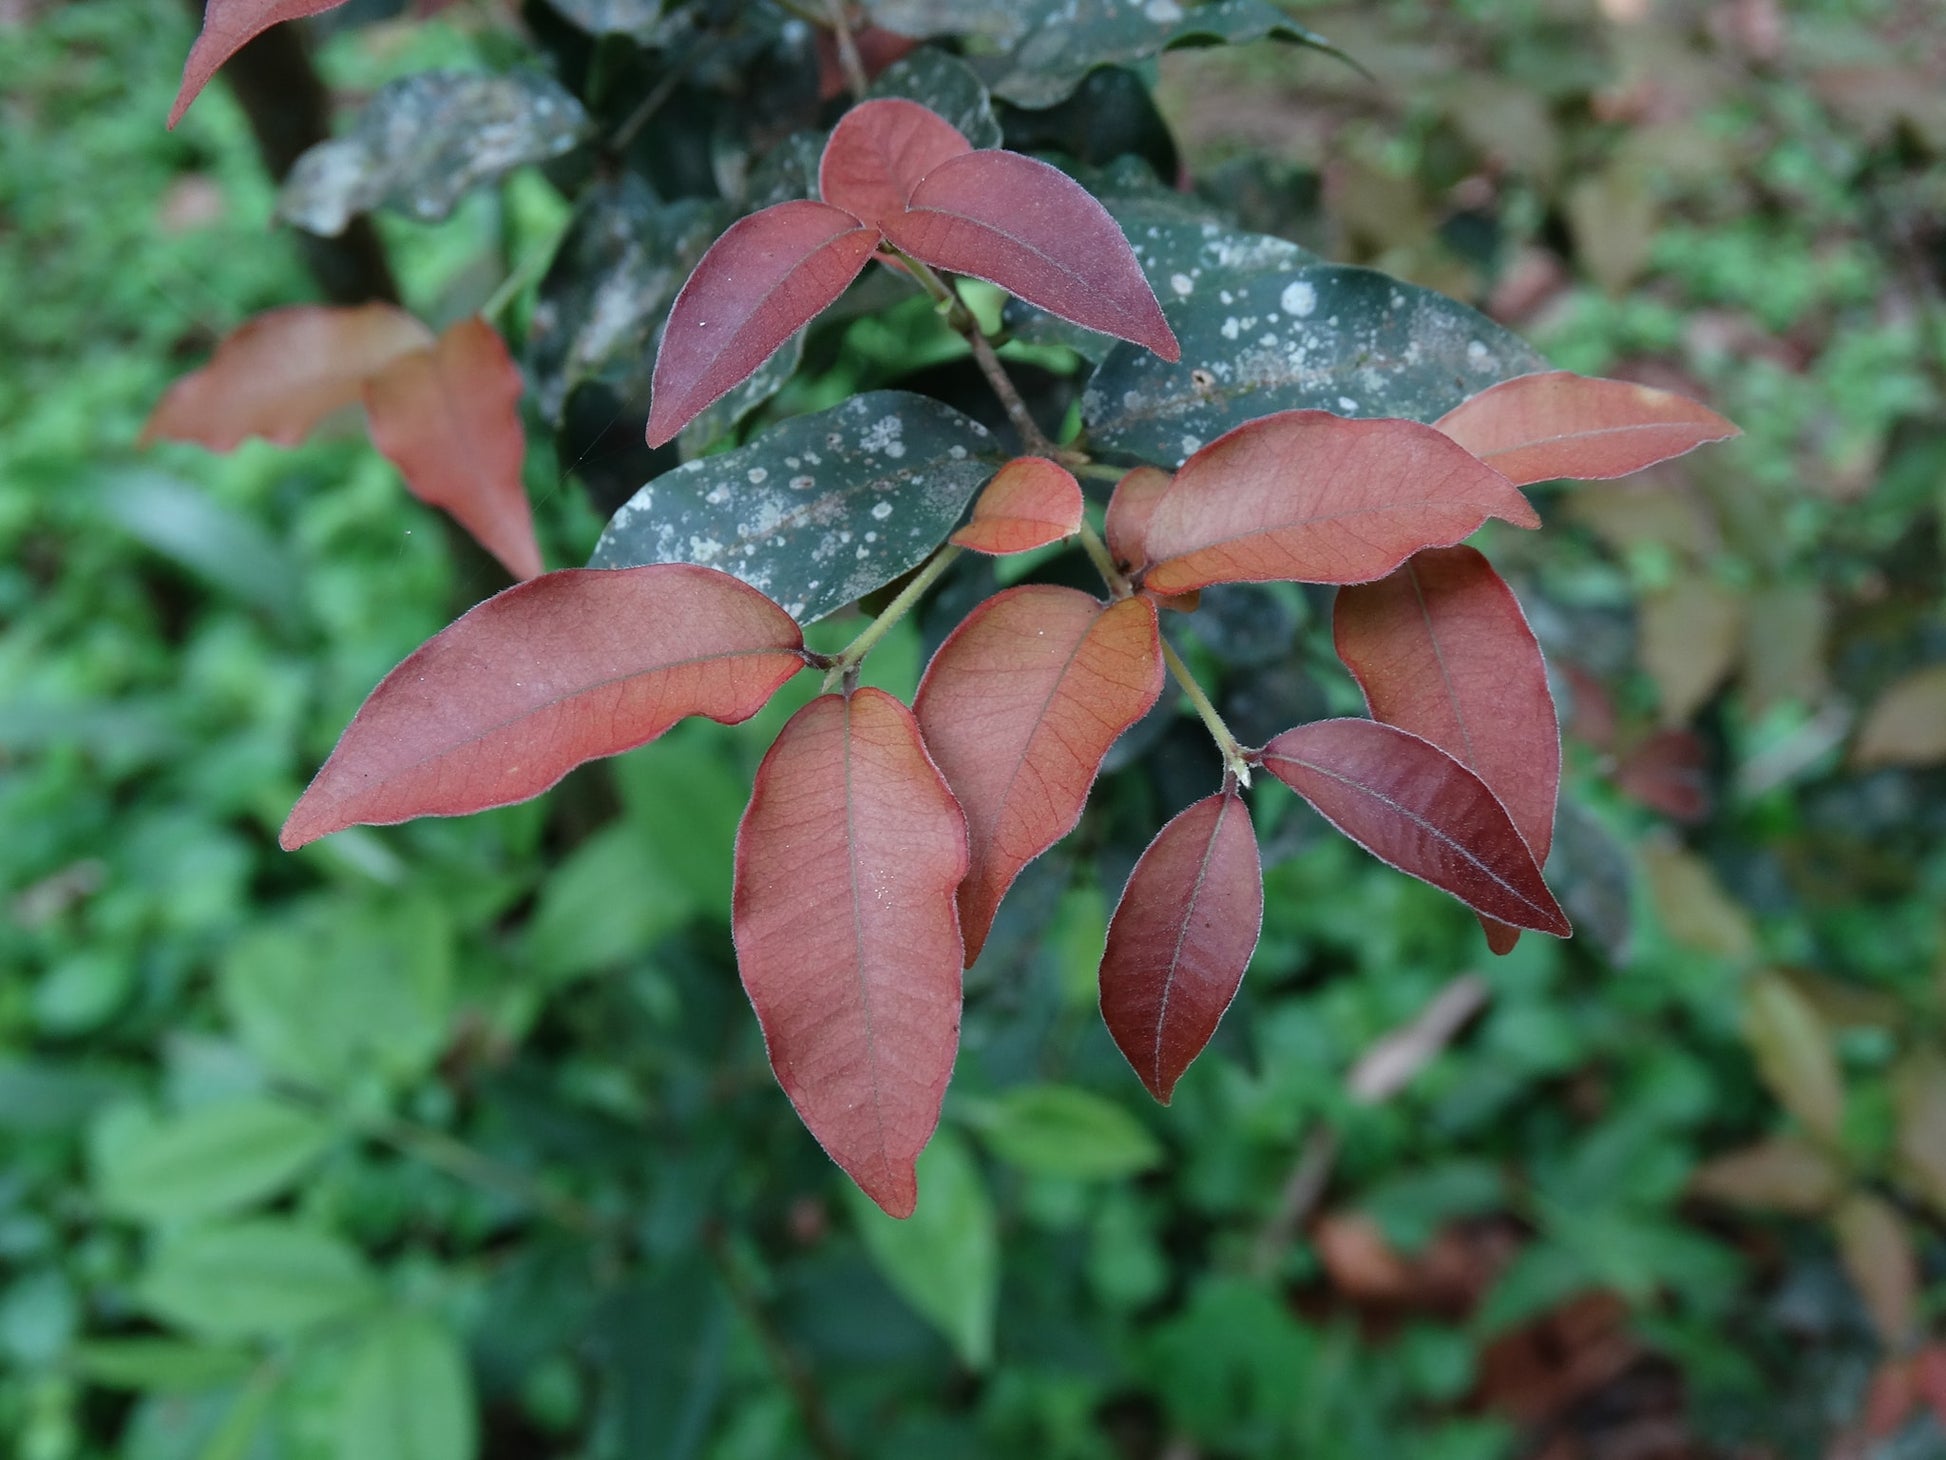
x=1690 y=636
x=1876 y=1248
x=1907 y=723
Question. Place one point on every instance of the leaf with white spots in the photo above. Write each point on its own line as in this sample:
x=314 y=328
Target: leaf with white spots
x=820 y=509
x=1265 y=333
x=946 y=85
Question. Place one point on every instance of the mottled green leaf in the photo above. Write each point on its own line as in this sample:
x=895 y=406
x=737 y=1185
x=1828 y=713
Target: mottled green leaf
x=947 y=86
x=214 y=1158
x=820 y=509
x=260 y=1279
x=1261 y=332
x=425 y=141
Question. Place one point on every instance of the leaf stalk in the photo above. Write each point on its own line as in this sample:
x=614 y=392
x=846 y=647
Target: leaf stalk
x=843 y=671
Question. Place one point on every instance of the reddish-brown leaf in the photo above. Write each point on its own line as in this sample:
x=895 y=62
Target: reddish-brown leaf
x=1536 y=428
x=1130 y=506
x=847 y=936
x=1030 y=503
x=1441 y=648
x=878 y=153
x=1037 y=233
x=449 y=419
x=767 y=277
x=228 y=26
x=278 y=375
x=1018 y=707
x=1181 y=938
x=1309 y=497
x=1413 y=806
x=560 y=669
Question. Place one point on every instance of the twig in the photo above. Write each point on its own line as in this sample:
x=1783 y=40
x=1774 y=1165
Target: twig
x=854 y=68
x=811 y=1408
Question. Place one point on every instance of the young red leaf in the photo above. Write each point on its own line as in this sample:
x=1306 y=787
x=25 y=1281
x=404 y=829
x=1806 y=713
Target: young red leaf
x=878 y=153
x=1018 y=707
x=1181 y=938
x=278 y=375
x=1130 y=506
x=846 y=933
x=1309 y=497
x=1030 y=503
x=1535 y=428
x=1441 y=648
x=1037 y=233
x=766 y=277
x=1414 y=807
x=229 y=26
x=449 y=419
x=555 y=671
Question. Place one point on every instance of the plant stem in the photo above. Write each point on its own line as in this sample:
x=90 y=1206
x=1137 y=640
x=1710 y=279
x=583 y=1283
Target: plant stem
x=1104 y=561
x=1234 y=760
x=854 y=68
x=961 y=319
x=845 y=667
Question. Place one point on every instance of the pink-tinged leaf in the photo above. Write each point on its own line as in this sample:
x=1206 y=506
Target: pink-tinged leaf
x=229 y=26
x=1536 y=428
x=767 y=277
x=1030 y=503
x=1130 y=506
x=449 y=419
x=1037 y=233
x=847 y=936
x=1414 y=807
x=280 y=374
x=1309 y=497
x=1018 y=707
x=555 y=671
x=1181 y=938
x=879 y=152
x=1441 y=648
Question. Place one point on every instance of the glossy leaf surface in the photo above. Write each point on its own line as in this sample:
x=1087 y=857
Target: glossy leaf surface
x=449 y=419
x=229 y=26
x=820 y=509
x=1414 y=807
x=1037 y=233
x=879 y=152
x=1441 y=648
x=1536 y=428
x=1030 y=503
x=1181 y=938
x=1018 y=707
x=847 y=935
x=1313 y=498
x=763 y=280
x=278 y=375
x=1260 y=332
x=555 y=671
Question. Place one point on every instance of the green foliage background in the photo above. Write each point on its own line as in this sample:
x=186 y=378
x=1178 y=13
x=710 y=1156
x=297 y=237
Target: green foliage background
x=458 y=1138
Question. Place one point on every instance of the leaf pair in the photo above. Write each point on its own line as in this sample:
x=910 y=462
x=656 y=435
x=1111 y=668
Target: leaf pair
x=895 y=173
x=444 y=410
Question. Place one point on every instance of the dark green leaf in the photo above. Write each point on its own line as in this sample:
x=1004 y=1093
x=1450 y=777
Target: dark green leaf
x=260 y=1279
x=819 y=510
x=407 y=1394
x=997 y=23
x=423 y=142
x=212 y=1159
x=1260 y=333
x=948 y=86
x=945 y=1258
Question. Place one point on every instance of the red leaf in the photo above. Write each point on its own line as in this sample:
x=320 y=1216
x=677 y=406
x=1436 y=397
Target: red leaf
x=278 y=375
x=449 y=419
x=1037 y=233
x=228 y=26
x=763 y=280
x=1414 y=807
x=1536 y=428
x=878 y=153
x=1309 y=497
x=1441 y=648
x=1181 y=938
x=1030 y=503
x=1668 y=772
x=847 y=936
x=560 y=669
x=1018 y=707
x=1130 y=506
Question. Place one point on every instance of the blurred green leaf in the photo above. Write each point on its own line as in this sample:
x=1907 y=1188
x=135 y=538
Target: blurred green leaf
x=1058 y=1130
x=1794 y=1054
x=944 y=1259
x=605 y=904
x=212 y=1159
x=221 y=546
x=158 y=1365
x=268 y=1278
x=407 y=1394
